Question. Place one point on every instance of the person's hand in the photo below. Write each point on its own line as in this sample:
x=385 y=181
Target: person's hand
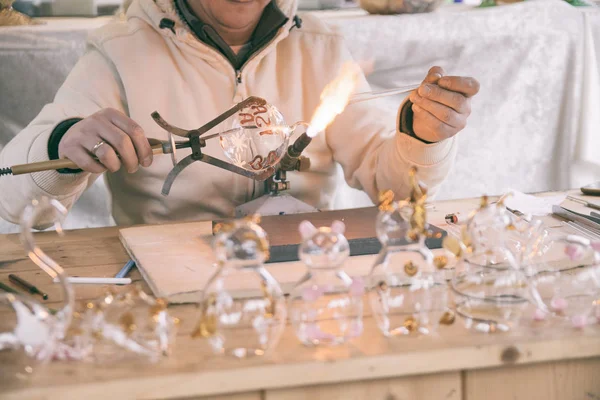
x=441 y=105
x=105 y=135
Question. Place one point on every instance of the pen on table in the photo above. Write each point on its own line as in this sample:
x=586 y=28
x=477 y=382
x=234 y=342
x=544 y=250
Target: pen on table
x=26 y=285
x=125 y=270
x=8 y=289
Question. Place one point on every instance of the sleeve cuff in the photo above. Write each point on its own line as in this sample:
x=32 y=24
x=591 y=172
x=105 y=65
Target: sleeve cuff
x=414 y=149
x=52 y=182
x=54 y=140
x=405 y=121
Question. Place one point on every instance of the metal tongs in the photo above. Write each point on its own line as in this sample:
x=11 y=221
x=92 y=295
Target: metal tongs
x=196 y=142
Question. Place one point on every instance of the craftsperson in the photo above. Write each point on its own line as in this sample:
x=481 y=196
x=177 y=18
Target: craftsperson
x=190 y=60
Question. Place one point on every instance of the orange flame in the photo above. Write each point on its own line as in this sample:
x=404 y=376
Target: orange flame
x=334 y=98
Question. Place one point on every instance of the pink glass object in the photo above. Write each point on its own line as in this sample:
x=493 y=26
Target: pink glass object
x=568 y=289
x=326 y=305
x=579 y=321
x=574 y=251
x=539 y=315
x=357 y=288
x=559 y=304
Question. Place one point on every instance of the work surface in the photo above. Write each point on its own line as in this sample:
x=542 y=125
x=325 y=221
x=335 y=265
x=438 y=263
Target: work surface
x=456 y=364
x=534 y=122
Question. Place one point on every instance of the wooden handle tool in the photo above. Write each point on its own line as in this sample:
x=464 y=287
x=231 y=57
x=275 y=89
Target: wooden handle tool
x=157 y=148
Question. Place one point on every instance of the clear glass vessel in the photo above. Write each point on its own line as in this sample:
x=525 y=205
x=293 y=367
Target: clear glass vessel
x=407 y=290
x=256 y=138
x=569 y=290
x=31 y=333
x=326 y=306
x=131 y=321
x=242 y=312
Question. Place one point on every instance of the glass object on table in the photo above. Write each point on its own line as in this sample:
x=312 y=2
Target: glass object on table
x=242 y=311
x=407 y=289
x=31 y=333
x=132 y=321
x=568 y=290
x=490 y=299
x=490 y=288
x=11 y=17
x=326 y=305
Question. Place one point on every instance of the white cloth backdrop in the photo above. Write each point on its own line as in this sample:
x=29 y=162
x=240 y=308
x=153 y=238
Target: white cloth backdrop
x=534 y=125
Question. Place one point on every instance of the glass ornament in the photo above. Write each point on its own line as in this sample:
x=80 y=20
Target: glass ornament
x=131 y=321
x=326 y=306
x=568 y=291
x=407 y=290
x=491 y=289
x=242 y=312
x=31 y=333
x=256 y=137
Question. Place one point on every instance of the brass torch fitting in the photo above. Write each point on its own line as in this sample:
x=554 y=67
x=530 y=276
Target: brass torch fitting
x=291 y=160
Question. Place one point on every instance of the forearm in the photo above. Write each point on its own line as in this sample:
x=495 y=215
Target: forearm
x=90 y=87
x=31 y=145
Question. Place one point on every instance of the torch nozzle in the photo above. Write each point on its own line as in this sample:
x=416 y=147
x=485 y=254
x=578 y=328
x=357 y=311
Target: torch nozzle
x=289 y=162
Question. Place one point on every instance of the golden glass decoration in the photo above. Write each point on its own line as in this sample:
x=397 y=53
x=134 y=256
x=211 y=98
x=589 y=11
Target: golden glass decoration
x=242 y=311
x=132 y=321
x=407 y=290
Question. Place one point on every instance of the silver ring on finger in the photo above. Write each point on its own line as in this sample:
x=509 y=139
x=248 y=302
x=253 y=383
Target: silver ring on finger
x=97 y=146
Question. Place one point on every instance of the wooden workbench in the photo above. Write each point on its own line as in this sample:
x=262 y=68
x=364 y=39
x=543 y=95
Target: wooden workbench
x=456 y=364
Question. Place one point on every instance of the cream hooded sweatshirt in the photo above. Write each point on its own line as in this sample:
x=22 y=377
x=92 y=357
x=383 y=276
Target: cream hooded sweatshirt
x=137 y=68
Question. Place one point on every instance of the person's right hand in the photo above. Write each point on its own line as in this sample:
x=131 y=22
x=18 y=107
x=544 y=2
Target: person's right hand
x=121 y=136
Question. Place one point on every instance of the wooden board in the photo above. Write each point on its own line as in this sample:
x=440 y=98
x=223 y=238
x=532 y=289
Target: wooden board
x=285 y=239
x=177 y=260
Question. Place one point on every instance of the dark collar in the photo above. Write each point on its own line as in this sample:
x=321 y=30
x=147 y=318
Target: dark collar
x=271 y=20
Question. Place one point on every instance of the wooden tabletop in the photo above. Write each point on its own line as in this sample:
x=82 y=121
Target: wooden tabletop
x=192 y=370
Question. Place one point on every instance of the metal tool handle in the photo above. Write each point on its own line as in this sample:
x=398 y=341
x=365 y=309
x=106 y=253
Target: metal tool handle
x=60 y=164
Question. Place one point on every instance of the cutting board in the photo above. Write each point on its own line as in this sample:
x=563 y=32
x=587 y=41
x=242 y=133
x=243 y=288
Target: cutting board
x=176 y=260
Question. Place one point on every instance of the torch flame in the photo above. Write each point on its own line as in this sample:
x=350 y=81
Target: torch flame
x=334 y=98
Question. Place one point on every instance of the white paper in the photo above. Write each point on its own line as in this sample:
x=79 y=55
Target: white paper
x=533 y=205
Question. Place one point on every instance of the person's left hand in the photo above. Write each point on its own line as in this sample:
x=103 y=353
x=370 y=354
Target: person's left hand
x=441 y=105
